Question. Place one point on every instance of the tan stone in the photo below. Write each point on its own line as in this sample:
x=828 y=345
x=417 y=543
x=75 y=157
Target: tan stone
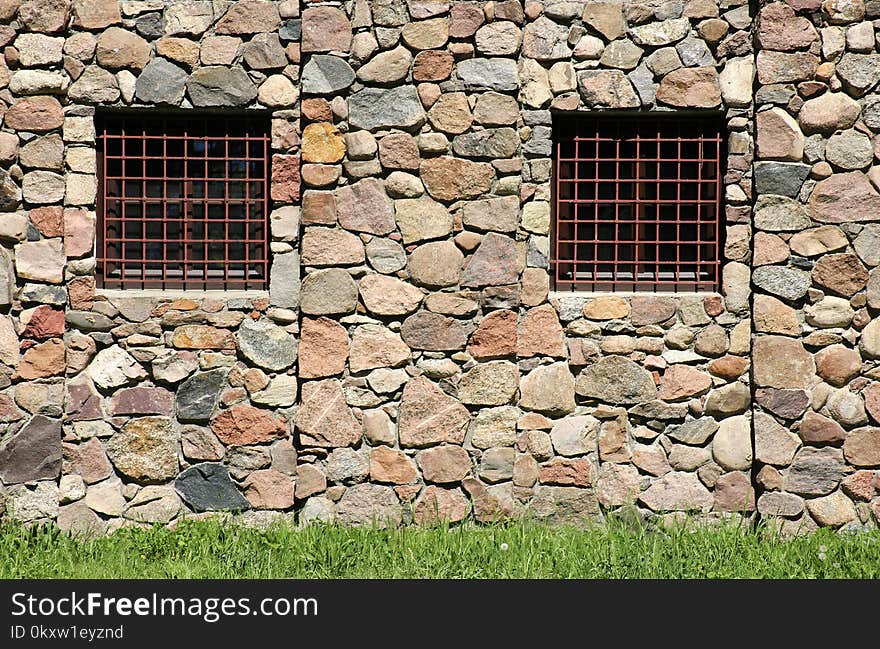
x=322 y=142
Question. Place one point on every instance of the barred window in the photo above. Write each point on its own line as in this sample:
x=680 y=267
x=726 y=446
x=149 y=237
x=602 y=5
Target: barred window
x=183 y=201
x=637 y=202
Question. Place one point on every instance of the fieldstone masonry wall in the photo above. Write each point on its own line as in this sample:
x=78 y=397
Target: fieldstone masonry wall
x=409 y=362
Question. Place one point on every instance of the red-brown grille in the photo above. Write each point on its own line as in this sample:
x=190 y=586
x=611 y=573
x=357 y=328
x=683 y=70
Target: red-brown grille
x=637 y=203
x=183 y=202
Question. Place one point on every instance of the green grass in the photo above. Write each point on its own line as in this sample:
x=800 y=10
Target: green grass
x=210 y=549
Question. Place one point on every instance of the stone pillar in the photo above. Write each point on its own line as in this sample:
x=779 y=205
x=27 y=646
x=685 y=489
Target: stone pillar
x=817 y=446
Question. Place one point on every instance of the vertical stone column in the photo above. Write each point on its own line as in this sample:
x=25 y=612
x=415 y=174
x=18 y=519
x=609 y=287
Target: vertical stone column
x=816 y=440
x=35 y=227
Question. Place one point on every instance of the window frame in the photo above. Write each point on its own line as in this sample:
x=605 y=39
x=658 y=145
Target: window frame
x=255 y=129
x=570 y=127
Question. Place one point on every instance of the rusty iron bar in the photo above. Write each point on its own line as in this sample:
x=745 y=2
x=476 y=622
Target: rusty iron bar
x=637 y=203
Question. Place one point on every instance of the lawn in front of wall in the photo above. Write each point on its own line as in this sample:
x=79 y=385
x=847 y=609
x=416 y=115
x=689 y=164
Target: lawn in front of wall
x=211 y=549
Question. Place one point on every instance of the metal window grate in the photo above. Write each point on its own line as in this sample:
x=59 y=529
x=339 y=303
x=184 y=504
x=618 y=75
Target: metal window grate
x=183 y=202
x=637 y=203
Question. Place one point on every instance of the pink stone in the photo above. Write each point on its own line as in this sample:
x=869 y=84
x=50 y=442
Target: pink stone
x=430 y=416
x=249 y=17
x=38 y=114
x=285 y=183
x=79 y=233
x=399 y=151
x=540 y=334
x=433 y=332
x=142 y=400
x=88 y=460
x=269 y=489
x=838 y=364
x=495 y=337
x=391 y=466
x=779 y=29
x=365 y=207
x=324 y=418
x=436 y=504
x=48 y=220
x=561 y=471
x=375 y=346
x=325 y=29
x=682 y=382
x=389 y=296
x=45 y=322
x=42 y=361
x=493 y=264
x=444 y=464
x=241 y=425
x=323 y=348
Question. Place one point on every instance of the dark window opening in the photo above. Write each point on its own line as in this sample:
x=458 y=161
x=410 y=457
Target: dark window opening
x=183 y=202
x=637 y=203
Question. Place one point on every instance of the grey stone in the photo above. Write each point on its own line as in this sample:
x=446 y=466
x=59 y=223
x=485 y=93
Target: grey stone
x=815 y=471
x=616 y=380
x=661 y=33
x=871 y=113
x=694 y=53
x=385 y=255
x=197 y=396
x=781 y=178
x=284 y=284
x=867 y=244
x=150 y=25
x=369 y=504
x=266 y=345
x=208 y=487
x=780 y=504
x=643 y=81
x=326 y=75
x=496 y=464
x=26 y=503
x=33 y=453
x=546 y=40
x=621 y=54
x=10 y=193
x=849 y=150
x=695 y=431
x=377 y=108
x=42 y=293
x=488 y=143
x=329 y=291
x=788 y=283
x=564 y=505
x=264 y=52
x=488 y=74
x=88 y=321
x=347 y=465
x=217 y=85
x=574 y=436
x=780 y=214
x=859 y=72
x=290 y=30
x=161 y=82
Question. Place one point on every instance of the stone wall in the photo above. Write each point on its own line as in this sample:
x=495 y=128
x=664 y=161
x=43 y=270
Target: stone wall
x=422 y=368
x=814 y=264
